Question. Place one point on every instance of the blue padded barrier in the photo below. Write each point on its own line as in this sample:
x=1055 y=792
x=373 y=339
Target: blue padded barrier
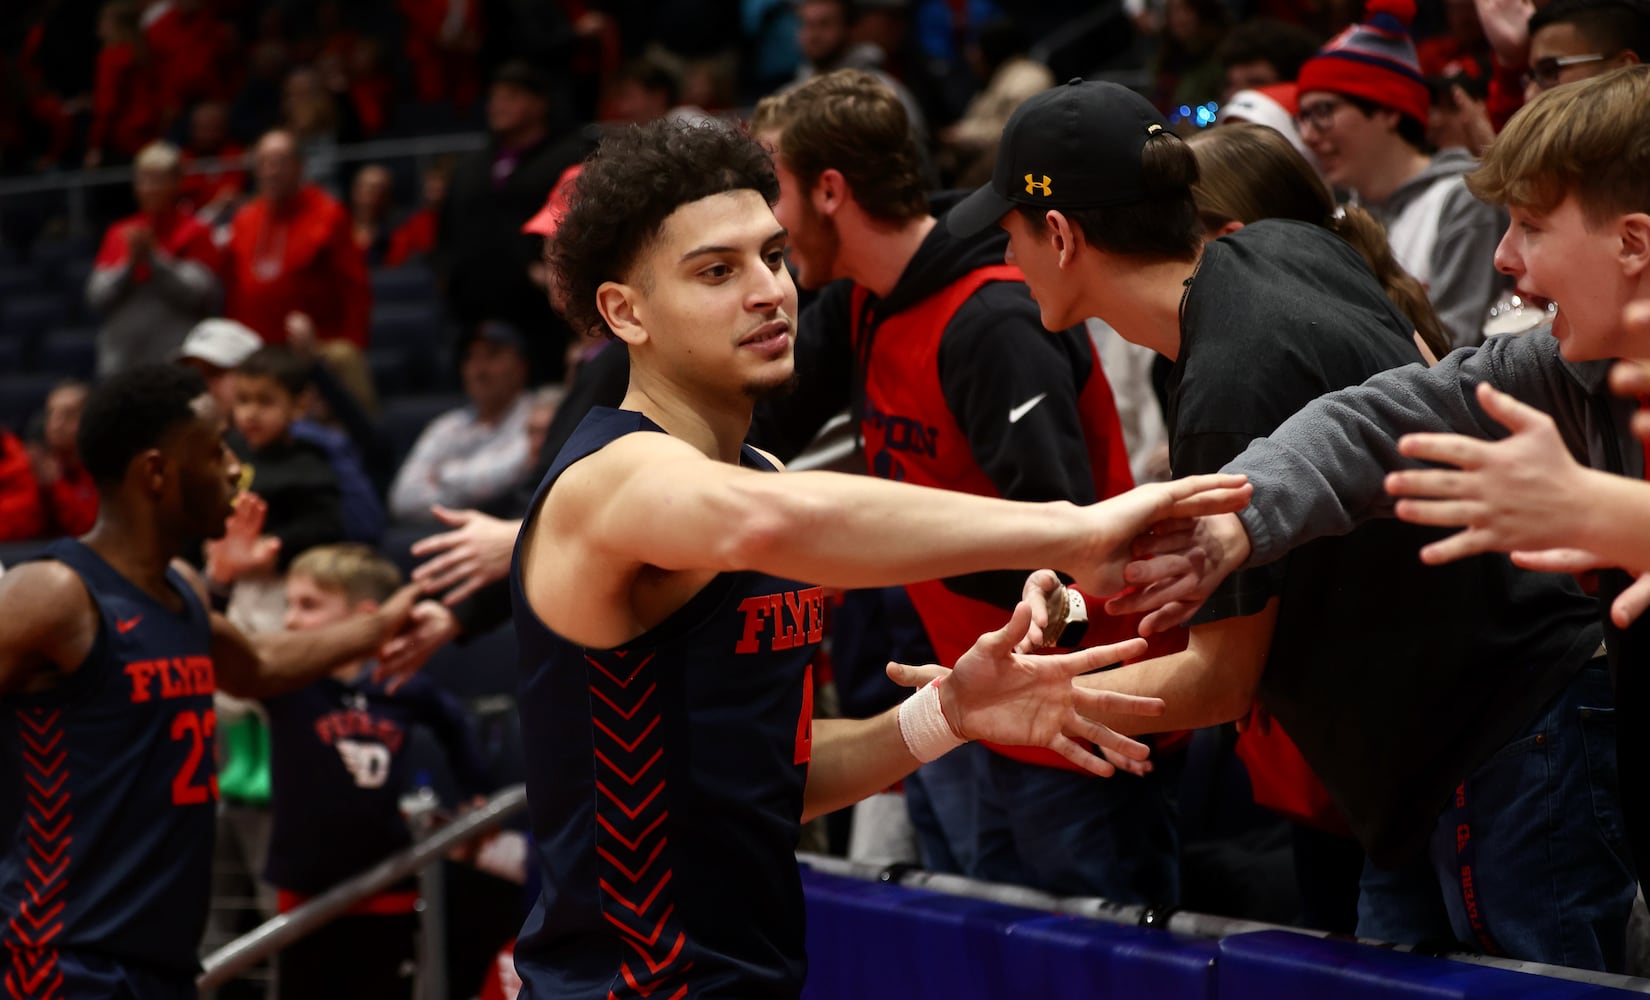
x=1279 y=965
x=869 y=939
x=881 y=941
x=1059 y=956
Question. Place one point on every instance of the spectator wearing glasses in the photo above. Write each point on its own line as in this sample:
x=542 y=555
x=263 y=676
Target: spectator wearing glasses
x=1576 y=39
x=1363 y=112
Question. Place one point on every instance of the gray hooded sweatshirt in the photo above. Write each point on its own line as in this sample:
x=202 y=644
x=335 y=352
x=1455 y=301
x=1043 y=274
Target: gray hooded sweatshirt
x=1446 y=238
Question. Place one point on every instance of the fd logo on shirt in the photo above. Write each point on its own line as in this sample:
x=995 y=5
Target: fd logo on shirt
x=367 y=763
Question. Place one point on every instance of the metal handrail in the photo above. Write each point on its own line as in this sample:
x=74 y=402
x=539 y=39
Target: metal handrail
x=75 y=183
x=1176 y=921
x=272 y=935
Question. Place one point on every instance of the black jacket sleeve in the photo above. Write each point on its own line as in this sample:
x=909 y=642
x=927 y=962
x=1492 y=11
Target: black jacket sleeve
x=305 y=506
x=824 y=382
x=1013 y=388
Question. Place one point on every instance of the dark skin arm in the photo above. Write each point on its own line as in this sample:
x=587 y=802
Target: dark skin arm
x=271 y=663
x=49 y=626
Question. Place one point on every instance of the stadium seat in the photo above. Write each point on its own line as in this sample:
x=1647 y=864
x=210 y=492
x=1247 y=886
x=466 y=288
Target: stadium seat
x=70 y=352
x=411 y=284
x=24 y=395
x=28 y=317
x=403 y=418
x=407 y=326
x=11 y=355
x=18 y=280
x=391 y=369
x=71 y=279
x=53 y=254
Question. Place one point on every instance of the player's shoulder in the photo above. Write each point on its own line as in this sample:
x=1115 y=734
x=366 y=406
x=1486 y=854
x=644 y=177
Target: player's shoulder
x=46 y=587
x=48 y=602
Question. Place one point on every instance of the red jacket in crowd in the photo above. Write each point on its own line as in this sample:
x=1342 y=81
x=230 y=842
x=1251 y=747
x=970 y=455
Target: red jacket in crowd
x=201 y=190
x=194 y=56
x=71 y=502
x=124 y=111
x=21 y=514
x=300 y=257
x=177 y=234
x=413 y=239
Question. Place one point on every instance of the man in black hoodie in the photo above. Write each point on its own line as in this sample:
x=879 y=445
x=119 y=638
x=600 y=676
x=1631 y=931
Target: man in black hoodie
x=936 y=345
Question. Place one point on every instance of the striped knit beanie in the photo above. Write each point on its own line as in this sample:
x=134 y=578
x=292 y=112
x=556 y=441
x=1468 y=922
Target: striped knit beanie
x=1374 y=61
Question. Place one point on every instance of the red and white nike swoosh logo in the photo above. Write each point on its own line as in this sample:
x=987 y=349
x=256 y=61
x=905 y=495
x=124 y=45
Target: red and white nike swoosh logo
x=126 y=625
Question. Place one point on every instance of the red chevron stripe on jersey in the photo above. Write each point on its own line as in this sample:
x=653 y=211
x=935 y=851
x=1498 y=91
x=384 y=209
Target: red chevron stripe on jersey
x=630 y=815
x=34 y=971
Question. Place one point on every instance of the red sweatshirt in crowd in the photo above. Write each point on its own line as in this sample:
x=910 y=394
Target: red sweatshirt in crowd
x=201 y=190
x=194 y=57
x=124 y=112
x=299 y=257
x=21 y=516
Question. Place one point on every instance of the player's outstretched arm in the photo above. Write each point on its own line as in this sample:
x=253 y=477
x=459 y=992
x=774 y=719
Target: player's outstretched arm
x=1175 y=568
x=992 y=693
x=649 y=499
x=269 y=663
x=48 y=627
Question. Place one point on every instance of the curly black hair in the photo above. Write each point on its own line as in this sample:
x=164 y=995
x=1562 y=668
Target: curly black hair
x=130 y=413
x=634 y=180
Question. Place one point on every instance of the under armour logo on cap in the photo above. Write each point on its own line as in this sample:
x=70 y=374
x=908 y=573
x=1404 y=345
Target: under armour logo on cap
x=1092 y=134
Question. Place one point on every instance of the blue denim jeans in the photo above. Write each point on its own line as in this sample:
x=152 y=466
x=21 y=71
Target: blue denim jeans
x=1073 y=834
x=1530 y=857
x=941 y=797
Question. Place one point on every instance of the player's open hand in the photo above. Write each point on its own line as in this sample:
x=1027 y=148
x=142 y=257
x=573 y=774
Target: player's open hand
x=477 y=552
x=996 y=694
x=244 y=549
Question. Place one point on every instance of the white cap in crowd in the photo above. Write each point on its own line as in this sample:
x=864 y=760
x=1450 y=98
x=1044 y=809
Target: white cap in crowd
x=221 y=342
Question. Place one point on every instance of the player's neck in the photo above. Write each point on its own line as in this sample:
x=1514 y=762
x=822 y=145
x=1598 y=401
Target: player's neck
x=715 y=424
x=877 y=256
x=134 y=547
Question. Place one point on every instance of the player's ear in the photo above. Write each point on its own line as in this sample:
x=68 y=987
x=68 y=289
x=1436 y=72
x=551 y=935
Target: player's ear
x=150 y=468
x=617 y=302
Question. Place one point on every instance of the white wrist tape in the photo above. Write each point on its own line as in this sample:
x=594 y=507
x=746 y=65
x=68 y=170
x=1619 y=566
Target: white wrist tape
x=923 y=725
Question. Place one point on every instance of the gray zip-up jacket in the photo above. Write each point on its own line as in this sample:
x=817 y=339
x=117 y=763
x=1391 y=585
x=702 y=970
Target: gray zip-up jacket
x=1446 y=238
x=1321 y=472
x=145 y=322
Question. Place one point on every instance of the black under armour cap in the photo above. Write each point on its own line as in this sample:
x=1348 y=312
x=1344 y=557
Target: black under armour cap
x=1076 y=146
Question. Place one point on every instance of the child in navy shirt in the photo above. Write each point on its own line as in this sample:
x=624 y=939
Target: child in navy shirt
x=338 y=771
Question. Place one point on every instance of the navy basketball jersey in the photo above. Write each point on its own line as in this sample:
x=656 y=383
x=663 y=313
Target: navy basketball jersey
x=664 y=781
x=109 y=790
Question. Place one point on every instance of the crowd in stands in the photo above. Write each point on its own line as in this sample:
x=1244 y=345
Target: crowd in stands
x=390 y=352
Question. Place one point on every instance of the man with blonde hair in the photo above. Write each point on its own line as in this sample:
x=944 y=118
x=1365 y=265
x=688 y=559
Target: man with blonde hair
x=156 y=273
x=1573 y=169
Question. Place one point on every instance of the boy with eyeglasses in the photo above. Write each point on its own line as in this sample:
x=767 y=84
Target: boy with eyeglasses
x=1363 y=113
x=1574 y=40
